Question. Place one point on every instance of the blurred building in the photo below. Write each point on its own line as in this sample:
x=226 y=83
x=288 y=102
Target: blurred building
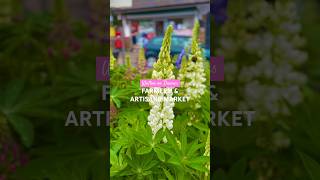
x=138 y=17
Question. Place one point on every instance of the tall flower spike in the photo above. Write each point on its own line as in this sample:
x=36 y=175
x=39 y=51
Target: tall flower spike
x=129 y=73
x=128 y=61
x=113 y=61
x=192 y=75
x=195 y=37
x=163 y=67
x=161 y=113
x=179 y=59
x=141 y=61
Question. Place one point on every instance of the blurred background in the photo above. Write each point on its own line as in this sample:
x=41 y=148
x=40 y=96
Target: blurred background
x=139 y=24
x=47 y=68
x=272 y=67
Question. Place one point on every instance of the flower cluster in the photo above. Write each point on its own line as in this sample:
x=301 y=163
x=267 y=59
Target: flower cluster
x=192 y=75
x=113 y=61
x=263 y=49
x=270 y=43
x=141 y=61
x=161 y=113
x=180 y=58
x=129 y=72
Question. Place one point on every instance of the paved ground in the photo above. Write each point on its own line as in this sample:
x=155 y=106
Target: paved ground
x=134 y=55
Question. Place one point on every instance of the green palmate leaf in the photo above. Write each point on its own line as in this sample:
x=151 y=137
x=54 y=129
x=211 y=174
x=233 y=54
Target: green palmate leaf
x=175 y=161
x=312 y=166
x=24 y=128
x=141 y=166
x=149 y=164
x=166 y=148
x=129 y=153
x=143 y=138
x=171 y=140
x=200 y=160
x=193 y=148
x=184 y=142
x=117 y=94
x=201 y=126
x=199 y=167
x=238 y=171
x=144 y=150
x=159 y=136
x=113 y=157
x=117 y=102
x=146 y=173
x=13 y=93
x=168 y=174
x=72 y=160
x=118 y=163
x=160 y=154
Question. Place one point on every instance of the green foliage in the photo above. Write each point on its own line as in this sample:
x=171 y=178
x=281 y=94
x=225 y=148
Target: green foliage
x=311 y=165
x=38 y=87
x=264 y=160
x=138 y=154
x=238 y=171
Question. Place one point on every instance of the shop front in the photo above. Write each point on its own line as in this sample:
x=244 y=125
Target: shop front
x=140 y=23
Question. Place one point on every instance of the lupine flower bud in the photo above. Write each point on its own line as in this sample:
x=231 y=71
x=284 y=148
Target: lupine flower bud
x=128 y=61
x=129 y=73
x=113 y=61
x=141 y=61
x=179 y=60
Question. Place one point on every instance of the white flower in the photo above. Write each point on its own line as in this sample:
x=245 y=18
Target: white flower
x=161 y=113
x=269 y=38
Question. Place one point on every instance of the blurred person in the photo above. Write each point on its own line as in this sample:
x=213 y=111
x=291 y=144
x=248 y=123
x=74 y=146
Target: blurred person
x=134 y=33
x=117 y=45
x=134 y=38
x=145 y=39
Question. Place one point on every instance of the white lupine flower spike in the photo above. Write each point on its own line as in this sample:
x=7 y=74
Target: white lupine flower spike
x=191 y=74
x=161 y=113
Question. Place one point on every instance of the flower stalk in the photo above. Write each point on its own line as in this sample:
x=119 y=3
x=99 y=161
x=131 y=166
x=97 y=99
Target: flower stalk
x=161 y=113
x=141 y=61
x=191 y=74
x=113 y=61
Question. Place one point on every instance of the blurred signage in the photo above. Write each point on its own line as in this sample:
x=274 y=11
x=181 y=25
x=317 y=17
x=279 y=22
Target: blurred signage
x=216 y=69
x=120 y=3
x=183 y=32
x=102 y=69
x=112 y=31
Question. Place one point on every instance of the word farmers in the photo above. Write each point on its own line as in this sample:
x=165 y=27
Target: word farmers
x=159 y=90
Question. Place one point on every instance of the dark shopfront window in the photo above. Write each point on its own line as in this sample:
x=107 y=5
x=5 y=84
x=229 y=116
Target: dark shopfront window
x=159 y=28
